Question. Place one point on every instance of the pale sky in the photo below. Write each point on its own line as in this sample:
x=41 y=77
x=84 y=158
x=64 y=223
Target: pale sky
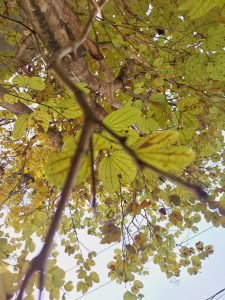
x=157 y=286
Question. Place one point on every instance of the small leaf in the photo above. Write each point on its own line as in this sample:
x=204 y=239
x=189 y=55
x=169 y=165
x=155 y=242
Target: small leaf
x=94 y=276
x=69 y=286
x=36 y=83
x=129 y=296
x=20 y=126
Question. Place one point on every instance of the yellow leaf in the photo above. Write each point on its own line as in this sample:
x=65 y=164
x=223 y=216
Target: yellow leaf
x=20 y=126
x=94 y=276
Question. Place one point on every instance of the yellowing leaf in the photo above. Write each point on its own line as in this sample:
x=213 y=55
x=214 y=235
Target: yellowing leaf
x=174 y=158
x=10 y=98
x=175 y=218
x=94 y=276
x=57 y=168
x=115 y=168
x=191 y=106
x=20 y=126
x=36 y=83
x=157 y=140
x=41 y=118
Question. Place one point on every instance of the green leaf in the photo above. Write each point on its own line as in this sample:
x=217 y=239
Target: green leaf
x=216 y=67
x=21 y=80
x=147 y=125
x=94 y=276
x=115 y=168
x=199 y=8
x=20 y=126
x=138 y=284
x=129 y=296
x=121 y=119
x=36 y=83
x=69 y=108
x=12 y=98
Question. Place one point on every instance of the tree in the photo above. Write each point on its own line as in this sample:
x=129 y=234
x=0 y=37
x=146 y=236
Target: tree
x=111 y=122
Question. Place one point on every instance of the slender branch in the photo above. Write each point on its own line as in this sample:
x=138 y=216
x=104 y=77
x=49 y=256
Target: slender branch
x=93 y=179
x=39 y=262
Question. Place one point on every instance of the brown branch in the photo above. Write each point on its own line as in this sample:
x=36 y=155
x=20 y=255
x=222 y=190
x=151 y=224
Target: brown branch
x=39 y=262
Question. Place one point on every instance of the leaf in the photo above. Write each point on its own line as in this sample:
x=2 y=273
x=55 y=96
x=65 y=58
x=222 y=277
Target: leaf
x=216 y=67
x=174 y=158
x=94 y=276
x=157 y=140
x=69 y=108
x=121 y=119
x=199 y=8
x=41 y=118
x=115 y=168
x=138 y=284
x=147 y=125
x=129 y=296
x=21 y=80
x=156 y=150
x=175 y=218
x=10 y=98
x=69 y=286
x=36 y=83
x=20 y=126
x=57 y=168
x=191 y=106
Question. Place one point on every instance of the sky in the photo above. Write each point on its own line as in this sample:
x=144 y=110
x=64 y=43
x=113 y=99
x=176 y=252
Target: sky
x=209 y=281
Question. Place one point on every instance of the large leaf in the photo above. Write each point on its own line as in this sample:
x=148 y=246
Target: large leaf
x=121 y=119
x=157 y=151
x=199 y=8
x=116 y=168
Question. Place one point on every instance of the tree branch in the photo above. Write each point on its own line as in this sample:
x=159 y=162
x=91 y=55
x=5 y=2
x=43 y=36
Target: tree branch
x=39 y=262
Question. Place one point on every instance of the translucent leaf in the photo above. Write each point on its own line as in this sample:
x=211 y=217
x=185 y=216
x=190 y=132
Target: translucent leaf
x=147 y=125
x=122 y=118
x=115 y=168
x=195 y=67
x=69 y=108
x=36 y=83
x=20 y=126
x=174 y=158
x=215 y=39
x=157 y=140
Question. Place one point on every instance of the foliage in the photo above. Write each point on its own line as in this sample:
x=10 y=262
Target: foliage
x=164 y=63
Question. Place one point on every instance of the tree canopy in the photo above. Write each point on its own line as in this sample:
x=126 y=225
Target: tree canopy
x=112 y=116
